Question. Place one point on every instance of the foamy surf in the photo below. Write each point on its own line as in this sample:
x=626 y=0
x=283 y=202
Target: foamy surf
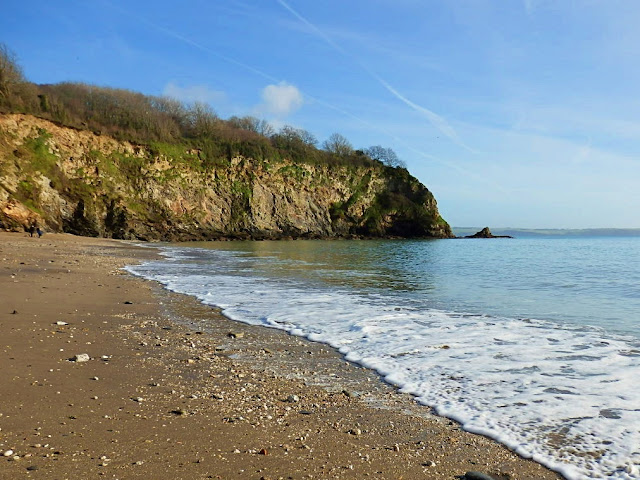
x=564 y=395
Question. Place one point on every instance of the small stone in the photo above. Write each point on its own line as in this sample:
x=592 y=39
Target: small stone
x=32 y=468
x=15 y=312
x=477 y=476
x=8 y=453
x=128 y=303
x=139 y=462
x=235 y=334
x=355 y=431
x=60 y=322
x=293 y=399
x=138 y=399
x=429 y=463
x=179 y=411
x=396 y=448
x=236 y=451
x=81 y=357
x=95 y=378
x=263 y=452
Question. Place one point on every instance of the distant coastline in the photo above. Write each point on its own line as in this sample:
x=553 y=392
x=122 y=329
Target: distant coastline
x=552 y=232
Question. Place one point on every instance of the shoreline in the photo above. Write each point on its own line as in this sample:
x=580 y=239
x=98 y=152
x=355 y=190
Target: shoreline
x=176 y=390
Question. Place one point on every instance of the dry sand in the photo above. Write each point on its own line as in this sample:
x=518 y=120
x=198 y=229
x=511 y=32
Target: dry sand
x=174 y=390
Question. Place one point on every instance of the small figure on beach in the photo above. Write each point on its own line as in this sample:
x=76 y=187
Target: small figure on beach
x=34 y=229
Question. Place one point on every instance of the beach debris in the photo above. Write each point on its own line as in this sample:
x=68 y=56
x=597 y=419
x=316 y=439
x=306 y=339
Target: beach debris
x=263 y=452
x=15 y=312
x=81 y=357
x=128 y=303
x=179 y=412
x=477 y=476
x=293 y=399
x=235 y=334
x=60 y=322
x=396 y=448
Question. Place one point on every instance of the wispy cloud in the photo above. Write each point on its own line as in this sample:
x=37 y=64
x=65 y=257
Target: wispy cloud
x=436 y=120
x=189 y=41
x=193 y=93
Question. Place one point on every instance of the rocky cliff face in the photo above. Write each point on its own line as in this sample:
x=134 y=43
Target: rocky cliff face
x=89 y=184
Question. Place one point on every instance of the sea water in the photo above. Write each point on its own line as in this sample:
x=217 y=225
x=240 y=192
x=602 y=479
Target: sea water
x=533 y=342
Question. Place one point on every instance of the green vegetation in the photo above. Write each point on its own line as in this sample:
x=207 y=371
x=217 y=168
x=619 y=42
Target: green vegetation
x=171 y=127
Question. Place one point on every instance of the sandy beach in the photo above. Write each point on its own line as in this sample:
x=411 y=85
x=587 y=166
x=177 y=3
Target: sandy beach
x=172 y=389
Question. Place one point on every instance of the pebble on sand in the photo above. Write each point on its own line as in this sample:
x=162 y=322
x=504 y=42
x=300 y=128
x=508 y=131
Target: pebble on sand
x=477 y=476
x=81 y=357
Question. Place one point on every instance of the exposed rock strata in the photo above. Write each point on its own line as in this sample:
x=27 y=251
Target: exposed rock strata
x=90 y=184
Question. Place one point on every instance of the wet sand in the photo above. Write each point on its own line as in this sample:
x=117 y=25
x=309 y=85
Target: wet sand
x=174 y=390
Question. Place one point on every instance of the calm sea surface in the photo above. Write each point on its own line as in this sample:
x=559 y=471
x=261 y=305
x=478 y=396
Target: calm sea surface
x=534 y=342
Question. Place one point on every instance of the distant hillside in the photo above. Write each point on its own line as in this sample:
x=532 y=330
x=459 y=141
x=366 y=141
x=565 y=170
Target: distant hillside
x=524 y=233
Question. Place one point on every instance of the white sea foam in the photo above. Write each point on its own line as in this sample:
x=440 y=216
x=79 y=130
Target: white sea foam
x=566 y=396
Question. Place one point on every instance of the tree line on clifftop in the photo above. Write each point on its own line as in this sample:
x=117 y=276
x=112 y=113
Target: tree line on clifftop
x=148 y=120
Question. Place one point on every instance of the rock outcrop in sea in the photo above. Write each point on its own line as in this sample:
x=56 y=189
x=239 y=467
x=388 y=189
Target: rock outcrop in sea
x=79 y=181
x=486 y=233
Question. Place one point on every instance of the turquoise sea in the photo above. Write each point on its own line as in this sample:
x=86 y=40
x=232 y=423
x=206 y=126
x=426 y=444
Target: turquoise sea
x=534 y=342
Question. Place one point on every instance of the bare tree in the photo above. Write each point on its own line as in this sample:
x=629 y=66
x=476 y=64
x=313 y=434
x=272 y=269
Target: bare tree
x=253 y=124
x=385 y=155
x=293 y=134
x=10 y=72
x=202 y=119
x=338 y=145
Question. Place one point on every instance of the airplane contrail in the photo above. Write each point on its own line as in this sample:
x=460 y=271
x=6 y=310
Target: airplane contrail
x=197 y=45
x=271 y=78
x=436 y=120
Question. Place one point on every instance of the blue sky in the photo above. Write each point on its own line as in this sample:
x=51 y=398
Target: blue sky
x=521 y=113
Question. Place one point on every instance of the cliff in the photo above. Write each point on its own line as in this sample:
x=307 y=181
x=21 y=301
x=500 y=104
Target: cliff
x=89 y=184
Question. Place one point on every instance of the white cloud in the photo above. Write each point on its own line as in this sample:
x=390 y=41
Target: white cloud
x=193 y=93
x=281 y=99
